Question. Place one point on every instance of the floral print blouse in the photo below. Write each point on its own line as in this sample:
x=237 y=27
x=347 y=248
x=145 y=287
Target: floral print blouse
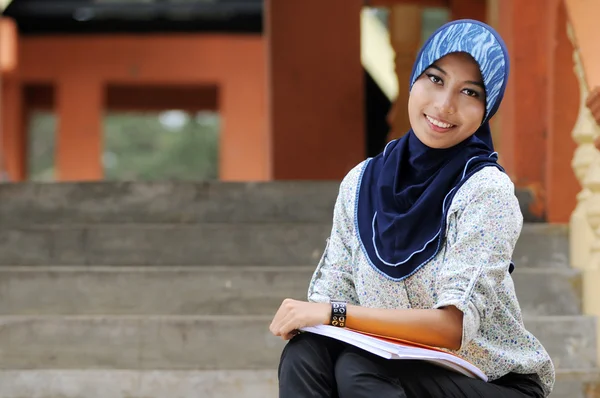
x=470 y=272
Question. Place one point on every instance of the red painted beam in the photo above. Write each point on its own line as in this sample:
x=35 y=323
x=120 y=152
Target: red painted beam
x=423 y=3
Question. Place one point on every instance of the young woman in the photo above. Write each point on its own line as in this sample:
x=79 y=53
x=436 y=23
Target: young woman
x=421 y=248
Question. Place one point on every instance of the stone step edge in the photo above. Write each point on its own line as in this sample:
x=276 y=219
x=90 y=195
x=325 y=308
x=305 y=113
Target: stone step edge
x=220 y=268
x=533 y=227
x=223 y=318
x=94 y=383
x=141 y=317
x=591 y=375
x=164 y=225
x=584 y=375
x=149 y=383
x=152 y=268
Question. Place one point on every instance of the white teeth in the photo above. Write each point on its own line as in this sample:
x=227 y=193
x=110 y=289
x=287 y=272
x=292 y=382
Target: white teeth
x=438 y=123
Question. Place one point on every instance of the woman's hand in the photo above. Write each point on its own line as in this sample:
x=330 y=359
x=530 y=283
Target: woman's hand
x=293 y=315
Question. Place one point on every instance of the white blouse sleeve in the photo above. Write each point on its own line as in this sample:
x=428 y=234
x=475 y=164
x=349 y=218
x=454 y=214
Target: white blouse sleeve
x=479 y=251
x=333 y=277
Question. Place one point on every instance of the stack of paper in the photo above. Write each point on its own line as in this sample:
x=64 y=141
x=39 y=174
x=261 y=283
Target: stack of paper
x=396 y=349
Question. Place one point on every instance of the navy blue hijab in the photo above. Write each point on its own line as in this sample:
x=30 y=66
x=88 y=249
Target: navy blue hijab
x=406 y=191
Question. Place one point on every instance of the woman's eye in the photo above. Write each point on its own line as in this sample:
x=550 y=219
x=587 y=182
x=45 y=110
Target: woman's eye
x=434 y=79
x=471 y=93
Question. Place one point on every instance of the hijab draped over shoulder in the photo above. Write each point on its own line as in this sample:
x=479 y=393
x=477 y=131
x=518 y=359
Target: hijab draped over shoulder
x=406 y=191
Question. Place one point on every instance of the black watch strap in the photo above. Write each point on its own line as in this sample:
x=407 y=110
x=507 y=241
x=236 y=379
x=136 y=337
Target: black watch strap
x=338 y=313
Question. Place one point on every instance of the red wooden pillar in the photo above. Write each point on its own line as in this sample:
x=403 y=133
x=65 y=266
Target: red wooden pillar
x=523 y=25
x=12 y=113
x=563 y=106
x=468 y=9
x=244 y=150
x=13 y=130
x=80 y=109
x=315 y=88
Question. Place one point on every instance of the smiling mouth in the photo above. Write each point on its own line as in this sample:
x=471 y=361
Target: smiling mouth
x=438 y=125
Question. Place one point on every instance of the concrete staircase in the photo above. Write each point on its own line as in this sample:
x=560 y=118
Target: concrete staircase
x=147 y=290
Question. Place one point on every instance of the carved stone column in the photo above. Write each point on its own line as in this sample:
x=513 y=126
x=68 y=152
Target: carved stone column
x=585 y=221
x=584 y=131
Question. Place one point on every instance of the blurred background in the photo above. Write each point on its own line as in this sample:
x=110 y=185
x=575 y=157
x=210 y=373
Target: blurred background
x=168 y=170
x=243 y=90
x=141 y=141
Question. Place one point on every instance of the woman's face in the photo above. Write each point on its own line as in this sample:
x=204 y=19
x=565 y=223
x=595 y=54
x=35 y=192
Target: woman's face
x=447 y=102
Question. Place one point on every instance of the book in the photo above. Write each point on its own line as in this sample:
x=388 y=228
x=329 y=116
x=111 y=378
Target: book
x=391 y=348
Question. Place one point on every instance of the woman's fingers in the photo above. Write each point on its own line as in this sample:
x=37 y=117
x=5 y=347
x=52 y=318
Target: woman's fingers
x=293 y=314
x=287 y=325
x=277 y=319
x=286 y=311
x=291 y=334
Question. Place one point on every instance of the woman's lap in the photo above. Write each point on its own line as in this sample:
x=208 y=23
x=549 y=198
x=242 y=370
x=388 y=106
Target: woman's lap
x=317 y=366
x=355 y=367
x=307 y=366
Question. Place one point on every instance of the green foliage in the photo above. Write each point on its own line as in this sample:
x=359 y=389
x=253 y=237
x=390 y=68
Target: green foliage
x=139 y=146
x=41 y=145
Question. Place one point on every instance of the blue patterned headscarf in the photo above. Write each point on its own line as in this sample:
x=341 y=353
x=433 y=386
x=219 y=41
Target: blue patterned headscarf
x=406 y=191
x=482 y=43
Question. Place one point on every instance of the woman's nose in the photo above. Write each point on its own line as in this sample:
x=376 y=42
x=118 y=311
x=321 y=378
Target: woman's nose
x=446 y=103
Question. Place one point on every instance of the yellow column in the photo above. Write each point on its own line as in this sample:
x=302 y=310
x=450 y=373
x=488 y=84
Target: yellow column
x=405 y=36
x=492 y=13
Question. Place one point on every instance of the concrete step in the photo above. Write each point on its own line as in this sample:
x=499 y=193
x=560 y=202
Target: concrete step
x=193 y=384
x=577 y=384
x=177 y=202
x=548 y=291
x=570 y=340
x=226 y=244
x=167 y=202
x=206 y=342
x=216 y=290
x=138 y=384
x=207 y=290
x=540 y=245
x=138 y=342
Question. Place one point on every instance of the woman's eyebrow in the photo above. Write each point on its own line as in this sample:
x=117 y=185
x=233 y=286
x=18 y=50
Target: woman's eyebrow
x=479 y=83
x=434 y=66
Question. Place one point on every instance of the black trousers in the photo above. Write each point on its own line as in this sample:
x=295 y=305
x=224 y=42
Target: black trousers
x=320 y=367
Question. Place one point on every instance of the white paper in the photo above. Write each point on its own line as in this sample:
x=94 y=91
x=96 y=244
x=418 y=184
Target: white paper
x=390 y=350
